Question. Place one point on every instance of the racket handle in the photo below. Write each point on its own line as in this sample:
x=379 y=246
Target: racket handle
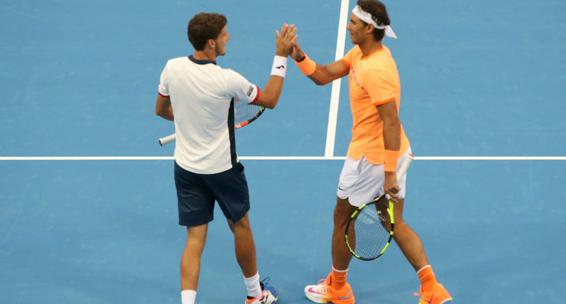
x=406 y=162
x=167 y=139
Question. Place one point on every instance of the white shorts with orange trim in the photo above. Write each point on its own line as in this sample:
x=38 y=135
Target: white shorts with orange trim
x=360 y=181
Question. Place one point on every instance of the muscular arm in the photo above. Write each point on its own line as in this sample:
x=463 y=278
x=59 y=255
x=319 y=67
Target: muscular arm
x=325 y=74
x=163 y=107
x=270 y=94
x=391 y=126
x=391 y=141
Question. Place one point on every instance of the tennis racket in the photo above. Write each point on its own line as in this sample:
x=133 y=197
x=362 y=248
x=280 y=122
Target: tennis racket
x=371 y=227
x=244 y=114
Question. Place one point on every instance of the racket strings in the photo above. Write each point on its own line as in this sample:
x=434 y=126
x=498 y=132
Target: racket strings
x=244 y=111
x=371 y=231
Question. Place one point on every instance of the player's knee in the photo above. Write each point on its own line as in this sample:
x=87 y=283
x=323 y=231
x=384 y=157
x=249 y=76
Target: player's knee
x=399 y=222
x=242 y=224
x=402 y=230
x=341 y=217
x=194 y=247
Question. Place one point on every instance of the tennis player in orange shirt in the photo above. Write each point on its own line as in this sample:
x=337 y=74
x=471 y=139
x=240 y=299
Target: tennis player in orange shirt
x=378 y=145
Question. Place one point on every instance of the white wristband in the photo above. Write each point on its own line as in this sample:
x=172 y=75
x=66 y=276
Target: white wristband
x=279 y=66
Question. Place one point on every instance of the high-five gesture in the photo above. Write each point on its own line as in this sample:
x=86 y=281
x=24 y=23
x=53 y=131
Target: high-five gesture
x=297 y=54
x=284 y=40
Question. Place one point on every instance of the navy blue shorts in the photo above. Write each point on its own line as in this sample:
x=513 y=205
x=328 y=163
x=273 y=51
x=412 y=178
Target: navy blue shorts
x=196 y=194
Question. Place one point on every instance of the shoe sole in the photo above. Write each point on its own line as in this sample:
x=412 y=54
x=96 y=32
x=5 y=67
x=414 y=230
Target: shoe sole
x=275 y=299
x=322 y=301
x=273 y=302
x=446 y=301
x=443 y=302
x=313 y=299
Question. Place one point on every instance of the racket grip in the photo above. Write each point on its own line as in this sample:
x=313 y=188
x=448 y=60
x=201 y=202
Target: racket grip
x=166 y=140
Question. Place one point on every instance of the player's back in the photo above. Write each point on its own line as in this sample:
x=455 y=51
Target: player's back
x=201 y=106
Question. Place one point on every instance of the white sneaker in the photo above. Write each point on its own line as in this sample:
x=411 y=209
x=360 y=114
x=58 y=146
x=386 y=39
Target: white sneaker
x=268 y=295
x=324 y=293
x=319 y=293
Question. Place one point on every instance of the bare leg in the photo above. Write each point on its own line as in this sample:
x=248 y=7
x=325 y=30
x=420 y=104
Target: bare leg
x=340 y=255
x=190 y=261
x=408 y=240
x=245 y=246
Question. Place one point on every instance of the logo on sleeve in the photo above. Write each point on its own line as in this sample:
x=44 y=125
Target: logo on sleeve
x=250 y=91
x=279 y=67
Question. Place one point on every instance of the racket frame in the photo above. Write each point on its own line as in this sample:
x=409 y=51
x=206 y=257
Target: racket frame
x=358 y=211
x=390 y=210
x=249 y=121
x=171 y=137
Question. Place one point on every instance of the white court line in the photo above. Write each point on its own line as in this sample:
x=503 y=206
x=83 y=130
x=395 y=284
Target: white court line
x=335 y=94
x=492 y=158
x=278 y=158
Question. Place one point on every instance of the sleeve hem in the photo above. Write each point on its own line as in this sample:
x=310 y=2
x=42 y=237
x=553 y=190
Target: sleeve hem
x=256 y=96
x=384 y=101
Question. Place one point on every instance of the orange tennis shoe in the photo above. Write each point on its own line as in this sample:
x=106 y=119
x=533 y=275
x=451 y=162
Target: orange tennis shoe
x=439 y=295
x=323 y=292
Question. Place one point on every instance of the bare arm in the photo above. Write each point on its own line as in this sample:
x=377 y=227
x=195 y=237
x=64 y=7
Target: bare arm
x=163 y=107
x=391 y=126
x=323 y=74
x=391 y=140
x=272 y=91
x=269 y=97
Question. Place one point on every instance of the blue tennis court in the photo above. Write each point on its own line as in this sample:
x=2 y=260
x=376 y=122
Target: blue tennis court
x=483 y=105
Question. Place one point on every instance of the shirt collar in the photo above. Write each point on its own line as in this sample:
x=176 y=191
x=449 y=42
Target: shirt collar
x=197 y=61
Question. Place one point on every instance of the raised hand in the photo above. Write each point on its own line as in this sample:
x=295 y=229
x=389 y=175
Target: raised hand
x=284 y=39
x=297 y=53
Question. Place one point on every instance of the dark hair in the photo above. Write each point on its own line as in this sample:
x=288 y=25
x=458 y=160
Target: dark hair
x=205 y=26
x=378 y=13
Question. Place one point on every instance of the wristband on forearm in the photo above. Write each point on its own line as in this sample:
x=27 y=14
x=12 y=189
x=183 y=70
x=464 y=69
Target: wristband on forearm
x=390 y=163
x=306 y=65
x=279 y=67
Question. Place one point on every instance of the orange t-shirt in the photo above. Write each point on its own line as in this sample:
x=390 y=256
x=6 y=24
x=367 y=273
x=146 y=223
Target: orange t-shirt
x=373 y=81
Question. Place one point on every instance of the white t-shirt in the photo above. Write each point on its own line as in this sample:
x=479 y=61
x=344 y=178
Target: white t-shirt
x=202 y=96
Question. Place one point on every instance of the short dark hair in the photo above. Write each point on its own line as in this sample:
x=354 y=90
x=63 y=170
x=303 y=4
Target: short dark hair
x=379 y=14
x=205 y=26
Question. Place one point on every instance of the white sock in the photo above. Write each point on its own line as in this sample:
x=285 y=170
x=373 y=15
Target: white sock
x=188 y=296
x=252 y=285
